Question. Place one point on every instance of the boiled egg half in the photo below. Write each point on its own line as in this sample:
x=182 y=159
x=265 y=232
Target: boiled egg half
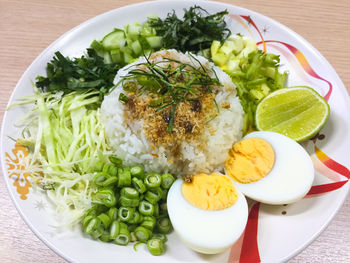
x=270 y=168
x=208 y=213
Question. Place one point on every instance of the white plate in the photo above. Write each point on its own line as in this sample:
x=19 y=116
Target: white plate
x=279 y=236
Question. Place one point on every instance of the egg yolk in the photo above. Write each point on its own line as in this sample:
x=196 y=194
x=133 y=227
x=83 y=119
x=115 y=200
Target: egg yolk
x=250 y=160
x=210 y=192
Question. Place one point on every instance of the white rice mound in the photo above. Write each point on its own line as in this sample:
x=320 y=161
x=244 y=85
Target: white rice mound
x=128 y=141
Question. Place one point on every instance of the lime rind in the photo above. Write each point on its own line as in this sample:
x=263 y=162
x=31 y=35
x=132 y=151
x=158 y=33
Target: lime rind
x=291 y=134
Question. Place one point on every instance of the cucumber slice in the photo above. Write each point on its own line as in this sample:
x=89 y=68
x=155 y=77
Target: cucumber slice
x=114 y=40
x=127 y=57
x=116 y=56
x=133 y=31
x=155 y=42
x=136 y=47
x=107 y=58
x=147 y=31
x=97 y=45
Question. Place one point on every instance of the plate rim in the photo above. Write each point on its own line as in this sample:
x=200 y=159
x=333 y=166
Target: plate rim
x=92 y=20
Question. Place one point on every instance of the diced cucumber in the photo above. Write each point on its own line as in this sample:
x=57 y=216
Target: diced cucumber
x=133 y=31
x=126 y=49
x=136 y=47
x=214 y=47
x=97 y=45
x=147 y=31
x=227 y=47
x=114 y=40
x=220 y=59
x=116 y=56
x=155 y=42
x=239 y=44
x=233 y=64
x=107 y=58
x=128 y=58
x=249 y=48
x=143 y=42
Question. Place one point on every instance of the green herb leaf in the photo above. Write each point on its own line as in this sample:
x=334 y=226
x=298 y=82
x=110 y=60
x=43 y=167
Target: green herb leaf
x=195 y=32
x=87 y=73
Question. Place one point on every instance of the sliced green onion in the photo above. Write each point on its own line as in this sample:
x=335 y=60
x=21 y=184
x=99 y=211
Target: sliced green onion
x=91 y=211
x=139 y=185
x=124 y=201
x=105 y=196
x=163 y=225
x=125 y=213
x=124 y=177
x=105 y=219
x=123 y=98
x=149 y=222
x=146 y=208
x=123 y=237
x=137 y=171
x=110 y=169
x=135 y=218
x=155 y=246
x=132 y=236
x=167 y=181
x=105 y=237
x=142 y=234
x=100 y=178
x=99 y=166
x=114 y=230
x=87 y=219
x=153 y=180
x=160 y=236
x=113 y=213
x=137 y=245
x=164 y=207
x=115 y=160
x=156 y=210
x=92 y=225
x=153 y=195
x=165 y=194
x=132 y=227
x=129 y=192
x=96 y=233
x=156 y=102
x=110 y=181
x=129 y=86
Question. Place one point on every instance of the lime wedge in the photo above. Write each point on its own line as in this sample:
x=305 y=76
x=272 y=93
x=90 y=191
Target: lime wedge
x=297 y=112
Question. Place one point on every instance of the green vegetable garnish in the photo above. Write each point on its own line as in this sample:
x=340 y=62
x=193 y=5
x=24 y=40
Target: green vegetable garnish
x=87 y=73
x=254 y=72
x=195 y=32
x=155 y=246
x=142 y=234
x=153 y=180
x=123 y=238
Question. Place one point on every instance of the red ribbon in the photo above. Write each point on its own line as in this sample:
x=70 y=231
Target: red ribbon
x=324 y=188
x=250 y=250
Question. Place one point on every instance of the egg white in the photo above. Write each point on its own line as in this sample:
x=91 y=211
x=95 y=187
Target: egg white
x=291 y=176
x=205 y=231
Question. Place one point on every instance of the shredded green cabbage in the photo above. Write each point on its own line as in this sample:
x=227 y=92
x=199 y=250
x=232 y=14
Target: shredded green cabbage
x=65 y=138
